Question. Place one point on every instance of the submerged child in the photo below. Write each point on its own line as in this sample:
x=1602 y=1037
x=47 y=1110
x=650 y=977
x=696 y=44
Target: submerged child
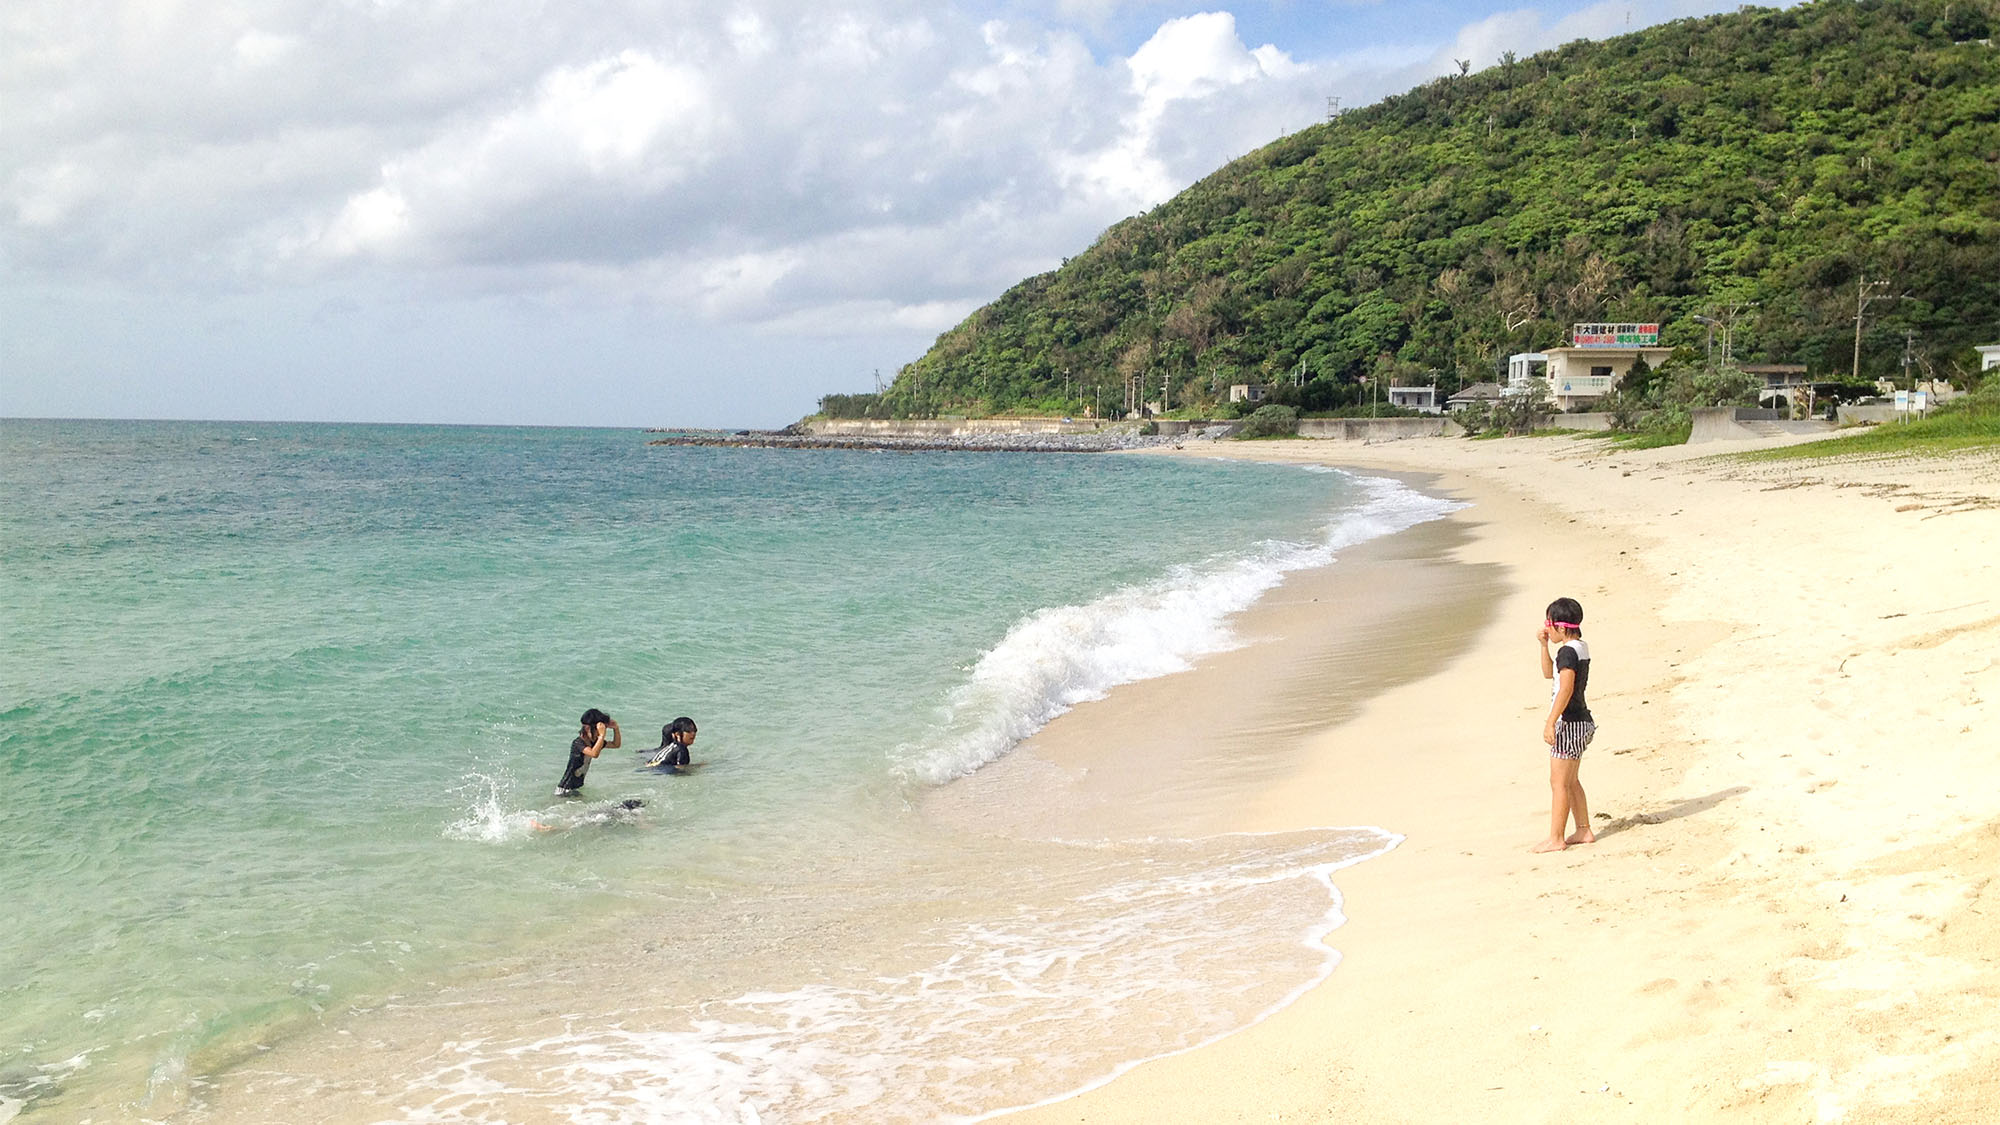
x=608 y=812
x=1569 y=727
x=600 y=732
x=672 y=752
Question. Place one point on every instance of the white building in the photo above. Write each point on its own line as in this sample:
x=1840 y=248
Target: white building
x=1248 y=392
x=1424 y=400
x=1989 y=356
x=1599 y=356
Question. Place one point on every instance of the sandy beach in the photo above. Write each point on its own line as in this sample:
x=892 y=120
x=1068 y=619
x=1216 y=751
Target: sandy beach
x=1788 y=914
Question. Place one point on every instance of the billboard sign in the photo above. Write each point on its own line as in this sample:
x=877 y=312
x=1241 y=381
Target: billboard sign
x=1615 y=335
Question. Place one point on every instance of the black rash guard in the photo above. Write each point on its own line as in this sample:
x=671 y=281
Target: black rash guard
x=579 y=764
x=1574 y=655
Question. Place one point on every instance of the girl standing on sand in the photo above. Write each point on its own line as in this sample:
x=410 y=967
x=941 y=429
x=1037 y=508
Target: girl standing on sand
x=1569 y=727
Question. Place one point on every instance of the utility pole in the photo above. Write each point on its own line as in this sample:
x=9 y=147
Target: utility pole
x=1732 y=315
x=1710 y=321
x=1866 y=292
x=1909 y=347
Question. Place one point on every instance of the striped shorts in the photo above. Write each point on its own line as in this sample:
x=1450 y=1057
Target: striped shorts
x=1571 y=738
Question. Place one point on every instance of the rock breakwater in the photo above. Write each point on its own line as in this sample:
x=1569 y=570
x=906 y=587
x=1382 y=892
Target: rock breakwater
x=1103 y=442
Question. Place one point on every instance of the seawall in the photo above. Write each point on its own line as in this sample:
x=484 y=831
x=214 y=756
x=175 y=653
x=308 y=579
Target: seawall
x=1378 y=429
x=934 y=428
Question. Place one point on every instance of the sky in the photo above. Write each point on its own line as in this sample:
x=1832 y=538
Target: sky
x=616 y=212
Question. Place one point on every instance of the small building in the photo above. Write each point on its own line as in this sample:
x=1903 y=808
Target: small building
x=1989 y=356
x=1423 y=400
x=1781 y=380
x=1474 y=395
x=1599 y=356
x=1248 y=392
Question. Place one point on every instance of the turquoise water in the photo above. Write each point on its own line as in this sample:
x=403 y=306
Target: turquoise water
x=281 y=707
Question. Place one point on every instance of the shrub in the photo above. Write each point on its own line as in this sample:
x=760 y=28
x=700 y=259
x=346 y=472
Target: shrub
x=851 y=406
x=1474 y=418
x=1270 y=421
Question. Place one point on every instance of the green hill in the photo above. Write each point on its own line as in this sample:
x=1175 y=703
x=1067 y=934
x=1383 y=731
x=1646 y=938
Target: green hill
x=1774 y=157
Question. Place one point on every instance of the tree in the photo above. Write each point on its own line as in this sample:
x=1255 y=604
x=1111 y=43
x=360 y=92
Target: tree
x=1526 y=409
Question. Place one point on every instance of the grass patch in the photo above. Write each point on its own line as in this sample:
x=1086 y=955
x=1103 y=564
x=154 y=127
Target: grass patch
x=1973 y=425
x=1636 y=439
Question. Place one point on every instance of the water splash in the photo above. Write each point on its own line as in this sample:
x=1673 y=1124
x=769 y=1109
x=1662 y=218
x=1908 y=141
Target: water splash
x=487 y=819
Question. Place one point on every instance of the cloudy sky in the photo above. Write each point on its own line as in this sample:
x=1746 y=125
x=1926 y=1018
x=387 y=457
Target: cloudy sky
x=615 y=212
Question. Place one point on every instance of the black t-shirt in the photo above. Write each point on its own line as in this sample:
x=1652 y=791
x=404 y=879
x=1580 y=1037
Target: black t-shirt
x=1575 y=655
x=579 y=764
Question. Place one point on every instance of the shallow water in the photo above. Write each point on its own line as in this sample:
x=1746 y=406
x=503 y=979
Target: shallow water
x=282 y=709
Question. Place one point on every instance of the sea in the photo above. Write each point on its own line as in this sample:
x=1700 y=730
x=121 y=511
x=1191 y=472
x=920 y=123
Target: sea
x=282 y=709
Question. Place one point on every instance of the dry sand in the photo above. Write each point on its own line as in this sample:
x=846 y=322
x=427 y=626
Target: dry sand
x=1788 y=915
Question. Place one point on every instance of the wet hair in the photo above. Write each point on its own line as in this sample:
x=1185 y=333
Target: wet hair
x=1566 y=609
x=667 y=733
x=590 y=720
x=631 y=803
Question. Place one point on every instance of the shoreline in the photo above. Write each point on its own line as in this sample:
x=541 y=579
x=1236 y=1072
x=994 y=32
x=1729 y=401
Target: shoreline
x=1187 y=753
x=347 y=1084
x=1786 y=916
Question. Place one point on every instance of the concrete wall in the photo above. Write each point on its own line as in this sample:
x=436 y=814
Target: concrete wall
x=1726 y=423
x=1854 y=415
x=1716 y=423
x=1377 y=429
x=1596 y=420
x=956 y=427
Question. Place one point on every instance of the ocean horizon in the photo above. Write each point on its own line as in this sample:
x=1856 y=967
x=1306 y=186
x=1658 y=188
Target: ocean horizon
x=285 y=703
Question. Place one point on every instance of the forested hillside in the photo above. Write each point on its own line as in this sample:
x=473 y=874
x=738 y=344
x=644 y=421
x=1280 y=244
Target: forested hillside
x=1752 y=167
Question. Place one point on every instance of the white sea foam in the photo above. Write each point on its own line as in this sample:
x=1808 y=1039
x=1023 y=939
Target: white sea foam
x=487 y=818
x=1059 y=657
x=1185 y=942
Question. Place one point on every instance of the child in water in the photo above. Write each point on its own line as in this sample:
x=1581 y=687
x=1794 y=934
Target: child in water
x=621 y=812
x=672 y=752
x=1569 y=727
x=600 y=731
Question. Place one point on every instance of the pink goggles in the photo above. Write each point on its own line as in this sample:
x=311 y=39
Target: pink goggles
x=1563 y=624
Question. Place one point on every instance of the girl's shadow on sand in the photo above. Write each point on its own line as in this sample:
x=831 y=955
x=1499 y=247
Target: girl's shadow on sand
x=1674 y=811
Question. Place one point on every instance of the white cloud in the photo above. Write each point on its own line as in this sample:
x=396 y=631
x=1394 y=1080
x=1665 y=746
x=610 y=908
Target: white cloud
x=628 y=121
x=45 y=195
x=258 y=49
x=1194 y=56
x=781 y=161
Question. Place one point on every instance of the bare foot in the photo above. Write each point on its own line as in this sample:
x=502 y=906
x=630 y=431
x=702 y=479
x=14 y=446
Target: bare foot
x=1581 y=836
x=1549 y=846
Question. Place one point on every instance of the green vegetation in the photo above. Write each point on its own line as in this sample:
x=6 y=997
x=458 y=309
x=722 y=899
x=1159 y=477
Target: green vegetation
x=1972 y=422
x=852 y=406
x=1271 y=421
x=1756 y=166
x=1674 y=434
